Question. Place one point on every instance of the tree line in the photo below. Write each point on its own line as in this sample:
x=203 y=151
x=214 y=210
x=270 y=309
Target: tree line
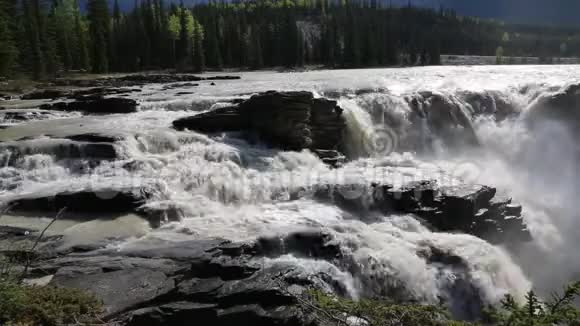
x=44 y=38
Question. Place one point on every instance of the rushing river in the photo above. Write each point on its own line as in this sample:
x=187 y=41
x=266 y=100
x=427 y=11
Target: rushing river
x=229 y=188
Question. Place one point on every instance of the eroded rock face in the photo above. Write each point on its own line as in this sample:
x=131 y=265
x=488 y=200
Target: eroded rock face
x=562 y=106
x=490 y=104
x=138 y=80
x=20 y=116
x=161 y=283
x=84 y=201
x=289 y=120
x=446 y=118
x=95 y=105
x=60 y=150
x=471 y=209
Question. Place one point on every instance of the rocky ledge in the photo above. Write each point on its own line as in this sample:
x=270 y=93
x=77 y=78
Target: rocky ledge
x=471 y=209
x=95 y=105
x=288 y=120
x=210 y=281
x=138 y=80
x=561 y=106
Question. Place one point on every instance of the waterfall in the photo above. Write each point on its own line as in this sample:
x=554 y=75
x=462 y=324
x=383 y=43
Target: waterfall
x=407 y=125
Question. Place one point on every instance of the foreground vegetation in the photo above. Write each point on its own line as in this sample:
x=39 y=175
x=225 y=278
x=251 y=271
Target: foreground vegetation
x=44 y=38
x=30 y=305
x=559 y=310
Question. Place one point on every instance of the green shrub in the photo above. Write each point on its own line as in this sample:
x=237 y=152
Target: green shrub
x=31 y=305
x=336 y=311
x=561 y=309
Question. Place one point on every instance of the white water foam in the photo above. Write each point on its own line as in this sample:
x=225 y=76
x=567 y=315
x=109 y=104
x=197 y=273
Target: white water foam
x=231 y=189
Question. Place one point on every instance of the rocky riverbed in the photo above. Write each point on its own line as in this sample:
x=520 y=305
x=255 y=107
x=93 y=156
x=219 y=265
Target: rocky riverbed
x=214 y=198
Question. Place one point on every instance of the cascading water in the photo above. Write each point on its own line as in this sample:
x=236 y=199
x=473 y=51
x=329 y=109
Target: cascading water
x=410 y=124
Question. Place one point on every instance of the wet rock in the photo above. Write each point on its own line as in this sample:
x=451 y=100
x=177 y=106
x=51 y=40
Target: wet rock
x=48 y=94
x=97 y=92
x=98 y=201
x=289 y=120
x=331 y=157
x=562 y=106
x=312 y=244
x=93 y=138
x=175 y=313
x=471 y=209
x=445 y=117
x=490 y=104
x=464 y=299
x=218 y=120
x=97 y=105
x=137 y=80
x=120 y=290
x=18 y=116
x=161 y=283
x=58 y=148
x=180 y=85
x=223 y=78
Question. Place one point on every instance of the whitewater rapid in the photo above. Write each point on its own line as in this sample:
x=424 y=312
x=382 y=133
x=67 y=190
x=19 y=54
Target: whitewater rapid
x=231 y=189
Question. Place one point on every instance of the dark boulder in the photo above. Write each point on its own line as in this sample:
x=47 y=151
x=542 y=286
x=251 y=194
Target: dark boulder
x=137 y=80
x=218 y=120
x=490 y=104
x=59 y=149
x=164 y=284
x=97 y=105
x=312 y=244
x=98 y=201
x=18 y=116
x=93 y=138
x=47 y=94
x=175 y=313
x=227 y=77
x=122 y=289
x=445 y=117
x=83 y=94
x=289 y=120
x=562 y=106
x=471 y=209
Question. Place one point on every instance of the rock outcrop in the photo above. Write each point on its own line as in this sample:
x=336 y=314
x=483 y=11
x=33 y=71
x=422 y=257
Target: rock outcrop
x=95 y=105
x=490 y=103
x=207 y=281
x=18 y=115
x=213 y=281
x=289 y=120
x=74 y=147
x=98 y=201
x=562 y=106
x=138 y=80
x=446 y=118
x=472 y=209
x=56 y=93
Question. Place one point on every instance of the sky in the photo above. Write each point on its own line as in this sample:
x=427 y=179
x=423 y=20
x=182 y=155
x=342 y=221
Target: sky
x=541 y=12
x=544 y=12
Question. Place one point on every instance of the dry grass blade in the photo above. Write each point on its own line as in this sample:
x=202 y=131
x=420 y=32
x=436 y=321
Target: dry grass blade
x=38 y=239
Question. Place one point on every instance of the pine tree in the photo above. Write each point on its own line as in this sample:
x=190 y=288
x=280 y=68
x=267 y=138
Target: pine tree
x=8 y=50
x=63 y=20
x=34 y=57
x=48 y=29
x=82 y=58
x=186 y=29
x=99 y=20
x=198 y=51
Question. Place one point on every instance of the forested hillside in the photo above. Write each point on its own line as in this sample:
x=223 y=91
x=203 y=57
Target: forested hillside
x=44 y=38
